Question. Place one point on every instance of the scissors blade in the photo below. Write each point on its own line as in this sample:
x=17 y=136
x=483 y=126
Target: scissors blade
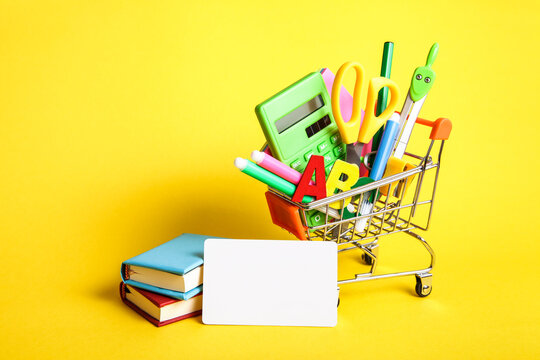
x=354 y=153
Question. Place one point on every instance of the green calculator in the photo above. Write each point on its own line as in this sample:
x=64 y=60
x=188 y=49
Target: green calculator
x=298 y=122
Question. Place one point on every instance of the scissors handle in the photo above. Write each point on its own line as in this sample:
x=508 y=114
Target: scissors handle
x=372 y=123
x=348 y=130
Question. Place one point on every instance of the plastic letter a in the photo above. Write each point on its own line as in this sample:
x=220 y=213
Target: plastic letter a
x=318 y=190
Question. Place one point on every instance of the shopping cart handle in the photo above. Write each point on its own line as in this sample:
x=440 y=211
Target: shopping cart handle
x=441 y=128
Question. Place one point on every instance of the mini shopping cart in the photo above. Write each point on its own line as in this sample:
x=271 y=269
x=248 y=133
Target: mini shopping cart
x=401 y=203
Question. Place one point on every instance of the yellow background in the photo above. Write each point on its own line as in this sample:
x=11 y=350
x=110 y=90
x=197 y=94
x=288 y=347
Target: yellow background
x=120 y=121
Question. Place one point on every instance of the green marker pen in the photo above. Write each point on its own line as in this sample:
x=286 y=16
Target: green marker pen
x=382 y=100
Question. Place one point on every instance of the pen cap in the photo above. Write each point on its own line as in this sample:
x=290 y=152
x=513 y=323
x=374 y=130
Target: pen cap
x=240 y=163
x=257 y=156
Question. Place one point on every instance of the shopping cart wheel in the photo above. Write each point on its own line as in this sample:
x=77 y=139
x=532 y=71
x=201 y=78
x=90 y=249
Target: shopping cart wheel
x=423 y=285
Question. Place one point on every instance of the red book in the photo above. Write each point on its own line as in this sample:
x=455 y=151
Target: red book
x=158 y=309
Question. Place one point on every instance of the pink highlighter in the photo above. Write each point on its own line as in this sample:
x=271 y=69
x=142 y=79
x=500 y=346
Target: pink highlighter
x=277 y=167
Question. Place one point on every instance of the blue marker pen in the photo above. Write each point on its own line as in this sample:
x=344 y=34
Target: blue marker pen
x=385 y=147
x=379 y=165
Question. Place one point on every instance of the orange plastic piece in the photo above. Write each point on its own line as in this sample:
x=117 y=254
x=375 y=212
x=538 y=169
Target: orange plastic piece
x=318 y=190
x=441 y=128
x=286 y=215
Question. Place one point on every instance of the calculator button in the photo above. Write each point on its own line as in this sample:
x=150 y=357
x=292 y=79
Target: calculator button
x=308 y=155
x=338 y=151
x=322 y=146
x=334 y=138
x=328 y=169
x=317 y=219
x=296 y=164
x=327 y=158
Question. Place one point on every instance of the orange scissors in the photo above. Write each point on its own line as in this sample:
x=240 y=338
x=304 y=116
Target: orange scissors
x=351 y=131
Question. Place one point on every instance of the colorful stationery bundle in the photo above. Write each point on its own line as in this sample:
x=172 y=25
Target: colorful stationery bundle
x=335 y=172
x=321 y=142
x=164 y=284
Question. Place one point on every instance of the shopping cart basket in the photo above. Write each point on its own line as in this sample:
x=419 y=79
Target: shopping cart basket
x=395 y=209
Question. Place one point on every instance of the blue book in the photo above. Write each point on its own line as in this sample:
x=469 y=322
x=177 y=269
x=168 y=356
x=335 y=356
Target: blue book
x=172 y=269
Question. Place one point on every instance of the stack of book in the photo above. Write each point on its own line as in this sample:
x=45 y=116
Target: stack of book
x=164 y=285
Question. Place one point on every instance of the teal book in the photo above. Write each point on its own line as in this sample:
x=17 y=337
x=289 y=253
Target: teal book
x=172 y=269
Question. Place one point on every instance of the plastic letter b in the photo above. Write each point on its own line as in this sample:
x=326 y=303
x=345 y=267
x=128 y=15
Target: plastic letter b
x=334 y=183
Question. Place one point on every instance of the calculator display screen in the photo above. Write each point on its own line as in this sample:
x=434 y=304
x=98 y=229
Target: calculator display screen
x=318 y=126
x=299 y=113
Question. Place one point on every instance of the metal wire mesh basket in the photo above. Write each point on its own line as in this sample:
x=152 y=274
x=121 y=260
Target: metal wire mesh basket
x=403 y=202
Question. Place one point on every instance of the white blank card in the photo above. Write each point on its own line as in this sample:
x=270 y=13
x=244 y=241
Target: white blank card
x=270 y=282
